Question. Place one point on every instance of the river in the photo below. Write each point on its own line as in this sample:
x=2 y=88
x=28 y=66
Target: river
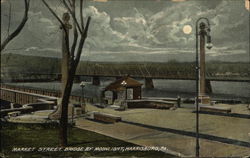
x=163 y=88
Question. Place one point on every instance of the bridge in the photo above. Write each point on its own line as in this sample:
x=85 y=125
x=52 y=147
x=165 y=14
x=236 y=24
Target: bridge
x=176 y=71
x=180 y=75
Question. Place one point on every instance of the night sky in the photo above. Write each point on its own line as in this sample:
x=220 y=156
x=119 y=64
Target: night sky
x=135 y=30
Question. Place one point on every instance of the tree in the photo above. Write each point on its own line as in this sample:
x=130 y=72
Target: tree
x=14 y=34
x=73 y=54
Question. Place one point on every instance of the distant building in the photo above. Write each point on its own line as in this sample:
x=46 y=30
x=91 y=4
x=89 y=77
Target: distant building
x=123 y=89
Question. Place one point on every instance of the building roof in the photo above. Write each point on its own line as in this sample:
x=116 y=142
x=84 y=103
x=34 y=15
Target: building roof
x=123 y=82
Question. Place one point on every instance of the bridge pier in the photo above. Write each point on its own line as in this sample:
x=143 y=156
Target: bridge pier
x=149 y=83
x=77 y=79
x=96 y=80
x=118 y=77
x=208 y=87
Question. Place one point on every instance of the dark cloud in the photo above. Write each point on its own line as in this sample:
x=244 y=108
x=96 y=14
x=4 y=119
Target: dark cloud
x=147 y=29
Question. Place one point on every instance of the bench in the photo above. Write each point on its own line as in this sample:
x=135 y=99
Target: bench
x=155 y=104
x=14 y=113
x=108 y=118
x=177 y=100
x=48 y=101
x=215 y=109
x=23 y=110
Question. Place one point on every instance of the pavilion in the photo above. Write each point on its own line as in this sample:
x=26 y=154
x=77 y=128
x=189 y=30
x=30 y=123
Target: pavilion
x=124 y=88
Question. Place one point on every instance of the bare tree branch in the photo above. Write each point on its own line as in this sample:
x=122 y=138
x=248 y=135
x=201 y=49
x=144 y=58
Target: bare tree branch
x=74 y=17
x=75 y=33
x=87 y=27
x=54 y=14
x=81 y=43
x=62 y=24
x=73 y=61
x=8 y=31
x=20 y=26
x=81 y=14
x=70 y=3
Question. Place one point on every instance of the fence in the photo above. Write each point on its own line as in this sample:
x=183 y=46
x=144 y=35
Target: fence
x=25 y=95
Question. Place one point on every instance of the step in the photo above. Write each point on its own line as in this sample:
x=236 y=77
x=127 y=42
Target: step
x=108 y=118
x=215 y=109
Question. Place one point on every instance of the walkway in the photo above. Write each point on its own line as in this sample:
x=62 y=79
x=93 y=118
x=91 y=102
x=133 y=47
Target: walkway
x=221 y=136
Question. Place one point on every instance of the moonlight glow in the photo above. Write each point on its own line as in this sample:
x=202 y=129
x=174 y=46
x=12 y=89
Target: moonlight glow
x=187 y=29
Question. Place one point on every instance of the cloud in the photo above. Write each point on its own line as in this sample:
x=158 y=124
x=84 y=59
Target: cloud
x=41 y=49
x=100 y=0
x=178 y=0
x=125 y=31
x=167 y=25
x=119 y=33
x=228 y=22
x=138 y=28
x=141 y=29
x=224 y=51
x=38 y=21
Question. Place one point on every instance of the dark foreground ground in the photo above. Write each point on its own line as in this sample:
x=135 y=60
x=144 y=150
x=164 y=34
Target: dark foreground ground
x=36 y=136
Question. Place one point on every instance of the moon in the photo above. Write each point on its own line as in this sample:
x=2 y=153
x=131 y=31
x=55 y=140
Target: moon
x=187 y=29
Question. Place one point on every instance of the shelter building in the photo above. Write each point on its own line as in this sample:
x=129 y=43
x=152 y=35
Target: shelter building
x=123 y=89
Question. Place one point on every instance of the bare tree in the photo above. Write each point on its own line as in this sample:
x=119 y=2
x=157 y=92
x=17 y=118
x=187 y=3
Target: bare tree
x=11 y=36
x=73 y=53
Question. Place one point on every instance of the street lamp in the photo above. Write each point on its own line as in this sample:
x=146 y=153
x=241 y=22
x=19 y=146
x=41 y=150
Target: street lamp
x=202 y=30
x=124 y=83
x=82 y=85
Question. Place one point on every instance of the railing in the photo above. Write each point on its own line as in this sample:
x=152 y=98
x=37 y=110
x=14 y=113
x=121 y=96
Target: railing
x=25 y=95
x=19 y=97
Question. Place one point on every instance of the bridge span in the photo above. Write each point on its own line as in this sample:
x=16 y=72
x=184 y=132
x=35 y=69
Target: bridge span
x=148 y=78
x=180 y=75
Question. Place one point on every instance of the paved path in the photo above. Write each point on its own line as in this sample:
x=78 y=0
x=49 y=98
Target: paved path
x=221 y=136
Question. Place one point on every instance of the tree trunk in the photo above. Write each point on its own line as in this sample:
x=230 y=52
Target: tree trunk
x=65 y=102
x=73 y=59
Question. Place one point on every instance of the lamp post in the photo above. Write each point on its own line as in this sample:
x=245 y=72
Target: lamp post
x=203 y=30
x=82 y=85
x=124 y=83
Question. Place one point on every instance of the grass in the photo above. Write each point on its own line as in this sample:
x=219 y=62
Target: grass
x=34 y=135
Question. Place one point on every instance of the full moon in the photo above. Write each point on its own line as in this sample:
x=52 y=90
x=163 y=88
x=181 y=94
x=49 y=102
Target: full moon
x=187 y=29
